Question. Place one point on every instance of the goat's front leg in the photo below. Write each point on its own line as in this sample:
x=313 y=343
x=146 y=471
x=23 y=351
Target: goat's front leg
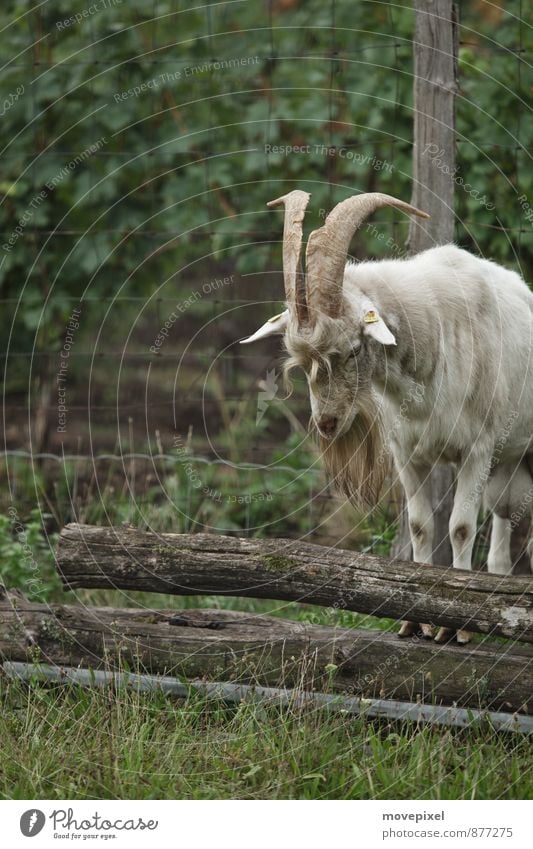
x=416 y=482
x=463 y=523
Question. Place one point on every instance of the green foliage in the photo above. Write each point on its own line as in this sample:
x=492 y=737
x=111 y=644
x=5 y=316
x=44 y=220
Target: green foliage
x=383 y=527
x=192 y=493
x=27 y=558
x=135 y=146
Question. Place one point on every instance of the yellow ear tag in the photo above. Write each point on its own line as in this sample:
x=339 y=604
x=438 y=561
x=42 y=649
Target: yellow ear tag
x=371 y=317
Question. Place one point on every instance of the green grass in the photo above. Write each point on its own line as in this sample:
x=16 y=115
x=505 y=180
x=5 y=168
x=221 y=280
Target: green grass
x=60 y=742
x=66 y=742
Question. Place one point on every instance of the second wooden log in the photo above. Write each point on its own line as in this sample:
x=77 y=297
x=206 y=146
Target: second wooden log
x=249 y=649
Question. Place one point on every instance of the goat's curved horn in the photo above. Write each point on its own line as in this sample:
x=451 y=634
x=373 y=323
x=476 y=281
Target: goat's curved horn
x=327 y=248
x=295 y=203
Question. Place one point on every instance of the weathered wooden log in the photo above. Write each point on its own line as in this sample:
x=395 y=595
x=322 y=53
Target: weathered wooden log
x=267 y=651
x=198 y=564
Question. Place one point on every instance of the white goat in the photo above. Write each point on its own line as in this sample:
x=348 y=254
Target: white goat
x=436 y=353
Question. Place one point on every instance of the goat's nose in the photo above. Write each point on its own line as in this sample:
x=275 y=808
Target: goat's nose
x=328 y=425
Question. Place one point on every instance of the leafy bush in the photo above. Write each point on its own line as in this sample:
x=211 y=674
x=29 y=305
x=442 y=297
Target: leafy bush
x=27 y=558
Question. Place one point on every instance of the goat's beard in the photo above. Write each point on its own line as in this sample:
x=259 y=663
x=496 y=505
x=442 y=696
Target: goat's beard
x=358 y=462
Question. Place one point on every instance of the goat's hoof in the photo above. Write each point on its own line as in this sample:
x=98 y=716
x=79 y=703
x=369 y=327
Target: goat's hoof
x=409 y=629
x=463 y=637
x=444 y=635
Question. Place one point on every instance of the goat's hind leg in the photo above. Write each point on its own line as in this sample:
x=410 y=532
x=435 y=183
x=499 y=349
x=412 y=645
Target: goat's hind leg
x=499 y=561
x=463 y=523
x=509 y=496
x=417 y=486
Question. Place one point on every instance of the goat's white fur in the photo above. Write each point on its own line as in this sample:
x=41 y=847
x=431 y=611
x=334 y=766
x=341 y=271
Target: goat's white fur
x=452 y=378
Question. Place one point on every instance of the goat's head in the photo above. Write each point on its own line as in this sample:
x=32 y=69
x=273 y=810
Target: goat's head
x=333 y=338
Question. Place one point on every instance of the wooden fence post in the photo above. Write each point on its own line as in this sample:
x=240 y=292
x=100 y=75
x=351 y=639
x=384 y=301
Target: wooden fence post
x=435 y=82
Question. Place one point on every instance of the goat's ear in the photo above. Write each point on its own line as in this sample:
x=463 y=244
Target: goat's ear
x=374 y=326
x=272 y=327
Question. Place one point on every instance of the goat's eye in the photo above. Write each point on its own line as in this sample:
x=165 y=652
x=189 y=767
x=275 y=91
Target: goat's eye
x=353 y=353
